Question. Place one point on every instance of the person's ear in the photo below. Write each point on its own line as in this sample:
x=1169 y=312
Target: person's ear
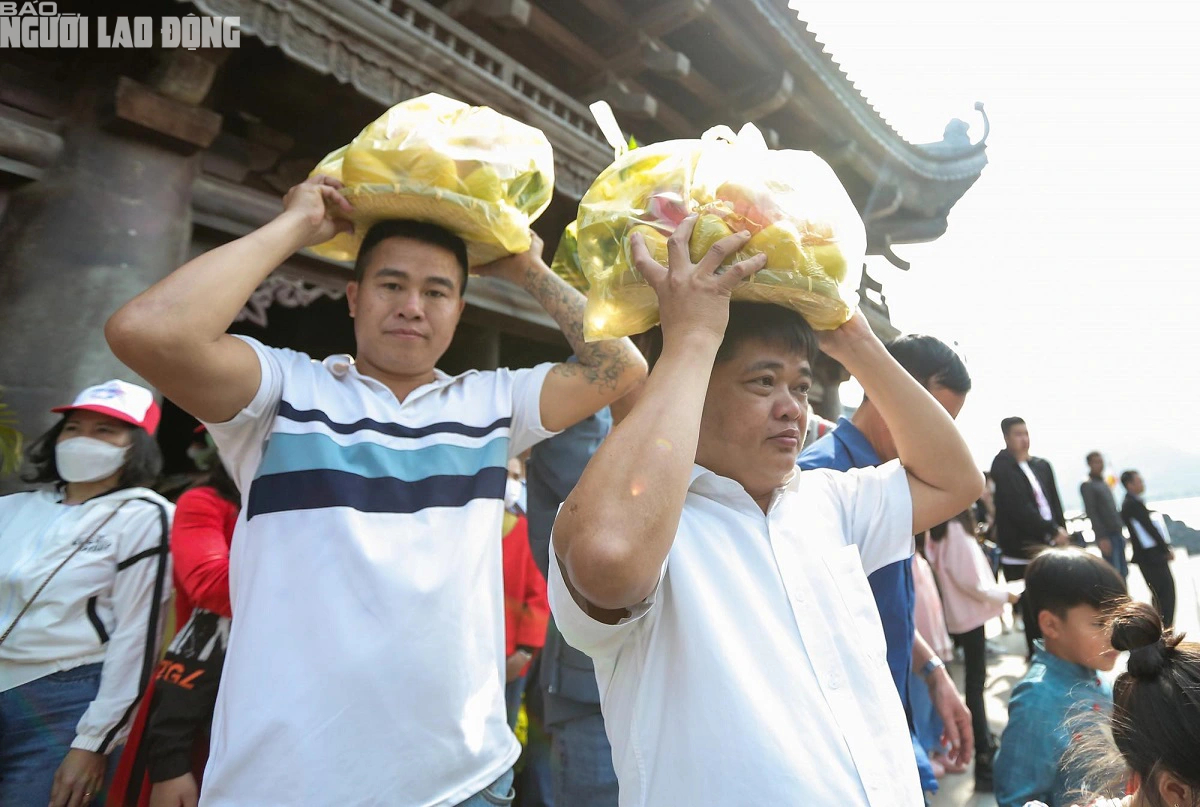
x=1173 y=791
x=352 y=297
x=1050 y=624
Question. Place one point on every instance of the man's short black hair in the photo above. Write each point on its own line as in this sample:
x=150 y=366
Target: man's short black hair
x=143 y=463
x=769 y=323
x=1007 y=424
x=1059 y=579
x=931 y=361
x=1127 y=477
x=1092 y=454
x=416 y=230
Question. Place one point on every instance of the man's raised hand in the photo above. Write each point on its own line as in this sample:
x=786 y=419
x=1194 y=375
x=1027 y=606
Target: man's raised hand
x=841 y=341
x=318 y=208
x=694 y=297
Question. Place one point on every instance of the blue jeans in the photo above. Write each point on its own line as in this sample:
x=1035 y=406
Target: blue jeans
x=582 y=764
x=499 y=794
x=37 y=727
x=1117 y=557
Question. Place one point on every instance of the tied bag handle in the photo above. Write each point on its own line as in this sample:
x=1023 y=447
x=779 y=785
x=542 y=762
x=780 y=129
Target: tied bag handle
x=58 y=568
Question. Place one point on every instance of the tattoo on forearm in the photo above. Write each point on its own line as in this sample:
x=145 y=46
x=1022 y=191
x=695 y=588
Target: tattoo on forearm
x=600 y=363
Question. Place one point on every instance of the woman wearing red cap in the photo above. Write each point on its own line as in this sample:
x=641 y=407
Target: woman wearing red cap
x=84 y=579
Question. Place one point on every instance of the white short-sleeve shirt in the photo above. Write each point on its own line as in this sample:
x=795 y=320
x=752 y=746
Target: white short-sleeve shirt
x=365 y=662
x=756 y=673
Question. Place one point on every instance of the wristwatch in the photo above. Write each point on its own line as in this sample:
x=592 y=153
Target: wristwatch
x=934 y=663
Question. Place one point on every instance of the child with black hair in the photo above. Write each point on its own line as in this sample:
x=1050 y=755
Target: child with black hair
x=1152 y=749
x=1070 y=594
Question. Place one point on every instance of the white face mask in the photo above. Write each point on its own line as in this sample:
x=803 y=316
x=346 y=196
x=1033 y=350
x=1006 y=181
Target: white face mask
x=514 y=493
x=86 y=459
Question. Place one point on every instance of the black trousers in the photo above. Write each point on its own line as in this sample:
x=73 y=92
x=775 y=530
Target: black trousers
x=1157 y=574
x=974 y=648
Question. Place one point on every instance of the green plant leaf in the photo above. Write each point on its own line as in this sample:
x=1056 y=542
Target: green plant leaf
x=11 y=441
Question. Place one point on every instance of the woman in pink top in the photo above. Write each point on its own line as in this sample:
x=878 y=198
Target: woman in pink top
x=970 y=597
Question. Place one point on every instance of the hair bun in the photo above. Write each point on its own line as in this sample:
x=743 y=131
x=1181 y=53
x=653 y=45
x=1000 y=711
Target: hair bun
x=1147 y=661
x=1137 y=627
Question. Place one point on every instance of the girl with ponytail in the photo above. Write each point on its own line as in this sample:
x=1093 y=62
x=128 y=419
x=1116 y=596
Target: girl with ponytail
x=1156 y=709
x=1153 y=749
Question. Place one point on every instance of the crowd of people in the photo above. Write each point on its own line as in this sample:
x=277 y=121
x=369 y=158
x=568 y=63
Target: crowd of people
x=697 y=594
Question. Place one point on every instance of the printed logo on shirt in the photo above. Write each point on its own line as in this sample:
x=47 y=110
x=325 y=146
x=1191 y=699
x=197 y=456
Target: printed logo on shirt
x=97 y=543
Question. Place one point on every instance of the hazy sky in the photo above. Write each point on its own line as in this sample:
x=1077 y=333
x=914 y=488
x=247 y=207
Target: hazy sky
x=1069 y=276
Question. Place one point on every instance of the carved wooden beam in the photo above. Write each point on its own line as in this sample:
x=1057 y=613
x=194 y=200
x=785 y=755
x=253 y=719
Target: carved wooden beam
x=609 y=12
x=137 y=104
x=625 y=92
x=563 y=40
x=231 y=157
x=187 y=76
x=647 y=53
x=763 y=97
x=624 y=97
x=390 y=52
x=731 y=32
x=505 y=13
x=665 y=17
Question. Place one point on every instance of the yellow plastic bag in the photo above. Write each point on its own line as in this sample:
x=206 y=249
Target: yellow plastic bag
x=792 y=203
x=566 y=259
x=479 y=174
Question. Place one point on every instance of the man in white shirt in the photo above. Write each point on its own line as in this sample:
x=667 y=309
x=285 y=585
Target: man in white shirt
x=365 y=666
x=721 y=592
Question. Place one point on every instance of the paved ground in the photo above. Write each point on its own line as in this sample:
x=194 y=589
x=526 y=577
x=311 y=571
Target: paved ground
x=1005 y=670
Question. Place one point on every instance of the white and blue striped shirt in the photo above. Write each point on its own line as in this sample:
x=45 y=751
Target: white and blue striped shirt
x=365 y=664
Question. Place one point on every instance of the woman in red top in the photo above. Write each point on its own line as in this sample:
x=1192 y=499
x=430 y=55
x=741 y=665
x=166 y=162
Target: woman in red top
x=526 y=609
x=166 y=756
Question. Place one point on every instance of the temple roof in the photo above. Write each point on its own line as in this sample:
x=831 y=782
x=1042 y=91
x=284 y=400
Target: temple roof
x=670 y=69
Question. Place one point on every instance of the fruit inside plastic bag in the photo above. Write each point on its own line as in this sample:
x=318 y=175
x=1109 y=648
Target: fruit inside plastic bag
x=566 y=259
x=791 y=202
x=479 y=174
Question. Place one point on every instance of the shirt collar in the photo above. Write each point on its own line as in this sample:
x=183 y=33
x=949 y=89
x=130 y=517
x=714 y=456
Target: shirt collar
x=861 y=452
x=1060 y=666
x=342 y=366
x=726 y=491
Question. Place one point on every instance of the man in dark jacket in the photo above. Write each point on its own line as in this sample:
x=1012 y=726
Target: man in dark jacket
x=1029 y=512
x=1101 y=509
x=1151 y=552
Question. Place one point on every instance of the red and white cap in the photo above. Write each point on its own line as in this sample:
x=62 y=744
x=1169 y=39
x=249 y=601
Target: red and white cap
x=121 y=400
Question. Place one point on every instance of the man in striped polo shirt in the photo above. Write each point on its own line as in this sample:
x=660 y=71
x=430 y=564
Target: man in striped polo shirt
x=365 y=666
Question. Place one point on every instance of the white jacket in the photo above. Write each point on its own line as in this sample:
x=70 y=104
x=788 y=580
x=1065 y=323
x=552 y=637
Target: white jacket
x=107 y=604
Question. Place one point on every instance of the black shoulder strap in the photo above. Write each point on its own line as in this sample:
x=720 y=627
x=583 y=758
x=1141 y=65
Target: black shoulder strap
x=149 y=655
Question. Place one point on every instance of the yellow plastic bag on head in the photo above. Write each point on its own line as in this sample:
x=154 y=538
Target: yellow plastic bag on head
x=481 y=175
x=791 y=202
